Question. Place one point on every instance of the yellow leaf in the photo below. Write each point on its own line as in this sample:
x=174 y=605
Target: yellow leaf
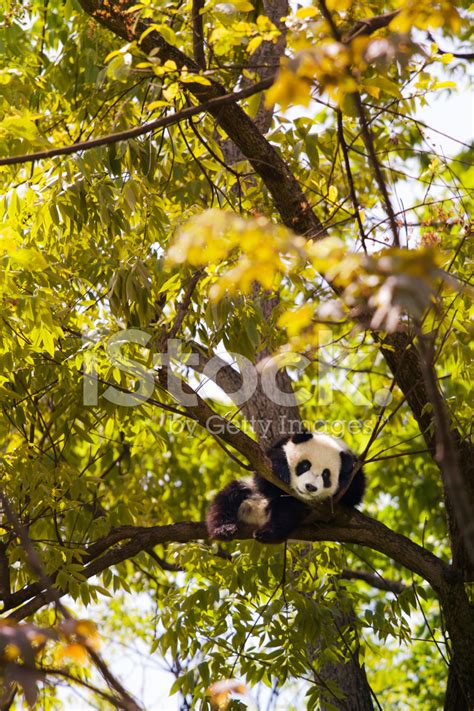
x=243 y=5
x=295 y=321
x=158 y=104
x=195 y=79
x=113 y=54
x=254 y=44
x=445 y=85
x=305 y=12
x=338 y=5
x=171 y=91
x=11 y=652
x=401 y=23
x=371 y=90
x=332 y=193
x=289 y=89
x=88 y=630
x=170 y=65
x=386 y=85
x=30 y=259
x=76 y=652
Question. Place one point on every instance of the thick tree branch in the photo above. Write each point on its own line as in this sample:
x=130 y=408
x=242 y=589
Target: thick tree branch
x=287 y=194
x=198 y=34
x=413 y=378
x=269 y=420
x=459 y=499
x=346 y=526
x=221 y=428
x=224 y=375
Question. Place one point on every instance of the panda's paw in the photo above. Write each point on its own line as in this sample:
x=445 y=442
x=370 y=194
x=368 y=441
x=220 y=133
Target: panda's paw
x=269 y=535
x=226 y=532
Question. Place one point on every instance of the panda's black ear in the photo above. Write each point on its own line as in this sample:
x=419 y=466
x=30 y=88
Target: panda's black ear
x=348 y=462
x=301 y=437
x=279 y=462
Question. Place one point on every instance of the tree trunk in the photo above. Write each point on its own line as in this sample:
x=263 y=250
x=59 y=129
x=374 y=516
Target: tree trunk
x=455 y=697
x=352 y=681
x=271 y=421
x=459 y=619
x=349 y=676
x=413 y=371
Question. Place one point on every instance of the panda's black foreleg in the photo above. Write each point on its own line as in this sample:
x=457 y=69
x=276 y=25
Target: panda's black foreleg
x=355 y=492
x=222 y=517
x=285 y=514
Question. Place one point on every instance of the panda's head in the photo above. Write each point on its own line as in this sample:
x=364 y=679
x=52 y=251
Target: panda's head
x=315 y=465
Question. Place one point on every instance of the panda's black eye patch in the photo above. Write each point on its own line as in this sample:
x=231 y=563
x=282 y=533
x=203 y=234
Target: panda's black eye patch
x=303 y=467
x=326 y=478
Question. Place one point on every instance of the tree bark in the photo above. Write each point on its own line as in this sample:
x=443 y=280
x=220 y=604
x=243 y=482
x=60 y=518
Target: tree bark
x=348 y=676
x=459 y=619
x=414 y=373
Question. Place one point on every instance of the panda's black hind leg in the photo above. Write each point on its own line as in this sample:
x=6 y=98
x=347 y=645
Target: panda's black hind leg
x=222 y=520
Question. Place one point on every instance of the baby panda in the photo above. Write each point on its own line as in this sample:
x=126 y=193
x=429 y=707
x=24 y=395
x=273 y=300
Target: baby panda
x=315 y=465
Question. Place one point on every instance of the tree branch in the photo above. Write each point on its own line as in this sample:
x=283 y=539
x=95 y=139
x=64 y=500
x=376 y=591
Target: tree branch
x=459 y=499
x=366 y=134
x=346 y=526
x=198 y=34
x=350 y=179
x=458 y=55
x=63 y=673
x=52 y=594
x=210 y=105
x=287 y=194
x=371 y=24
x=224 y=429
x=374 y=580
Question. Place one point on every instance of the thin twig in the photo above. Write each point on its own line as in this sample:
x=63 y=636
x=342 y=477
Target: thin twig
x=52 y=594
x=366 y=134
x=350 y=179
x=163 y=122
x=376 y=581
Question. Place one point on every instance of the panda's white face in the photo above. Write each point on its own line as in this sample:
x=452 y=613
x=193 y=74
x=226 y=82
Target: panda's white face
x=315 y=466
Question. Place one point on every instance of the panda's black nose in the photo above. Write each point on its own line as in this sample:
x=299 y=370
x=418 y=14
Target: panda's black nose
x=310 y=487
